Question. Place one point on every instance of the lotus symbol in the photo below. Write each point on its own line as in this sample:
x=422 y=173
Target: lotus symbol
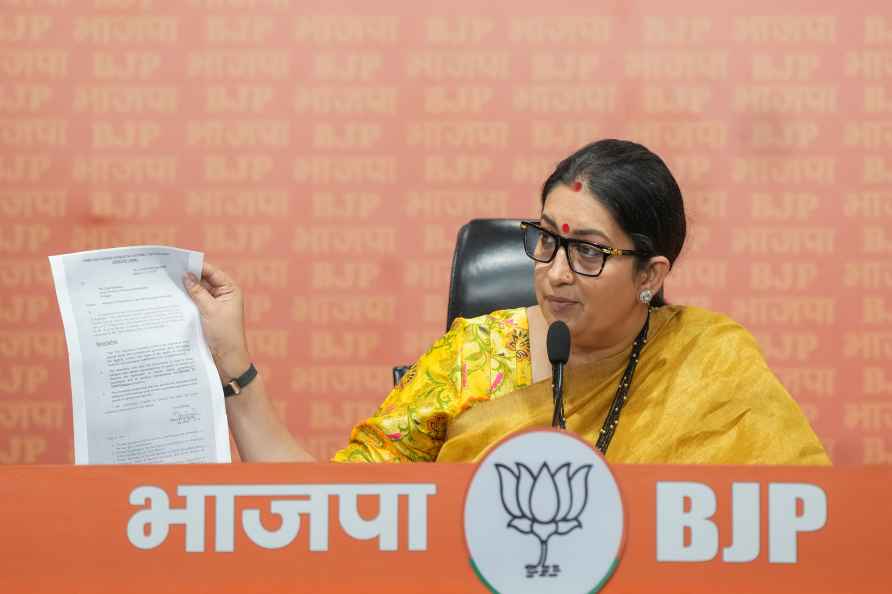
x=545 y=503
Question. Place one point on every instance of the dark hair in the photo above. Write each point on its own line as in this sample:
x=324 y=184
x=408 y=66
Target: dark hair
x=637 y=188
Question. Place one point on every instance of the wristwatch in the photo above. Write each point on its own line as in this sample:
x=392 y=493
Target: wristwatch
x=236 y=385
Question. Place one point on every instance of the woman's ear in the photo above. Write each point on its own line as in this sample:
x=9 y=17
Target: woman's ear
x=653 y=273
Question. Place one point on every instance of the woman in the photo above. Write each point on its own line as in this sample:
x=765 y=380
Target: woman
x=646 y=382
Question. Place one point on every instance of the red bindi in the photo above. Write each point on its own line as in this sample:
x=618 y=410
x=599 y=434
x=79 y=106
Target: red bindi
x=565 y=227
x=577 y=185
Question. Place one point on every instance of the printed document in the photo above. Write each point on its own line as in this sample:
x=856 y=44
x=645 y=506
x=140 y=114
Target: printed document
x=144 y=387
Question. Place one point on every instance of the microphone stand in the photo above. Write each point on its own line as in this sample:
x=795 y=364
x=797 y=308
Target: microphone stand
x=557 y=392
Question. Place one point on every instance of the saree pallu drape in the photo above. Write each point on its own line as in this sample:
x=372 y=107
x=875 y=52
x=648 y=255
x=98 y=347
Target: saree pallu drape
x=701 y=394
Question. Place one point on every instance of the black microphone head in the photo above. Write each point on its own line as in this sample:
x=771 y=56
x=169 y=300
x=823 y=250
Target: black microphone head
x=558 y=342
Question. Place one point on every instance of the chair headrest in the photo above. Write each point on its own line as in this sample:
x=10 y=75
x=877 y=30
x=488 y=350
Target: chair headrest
x=490 y=269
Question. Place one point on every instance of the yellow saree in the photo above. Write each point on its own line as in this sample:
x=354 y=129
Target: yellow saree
x=702 y=393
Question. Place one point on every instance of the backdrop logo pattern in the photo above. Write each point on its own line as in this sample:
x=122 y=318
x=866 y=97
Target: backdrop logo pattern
x=326 y=159
x=558 y=528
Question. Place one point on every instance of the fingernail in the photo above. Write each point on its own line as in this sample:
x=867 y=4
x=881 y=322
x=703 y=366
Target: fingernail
x=189 y=279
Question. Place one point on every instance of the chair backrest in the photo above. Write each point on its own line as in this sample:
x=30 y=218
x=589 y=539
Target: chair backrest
x=490 y=269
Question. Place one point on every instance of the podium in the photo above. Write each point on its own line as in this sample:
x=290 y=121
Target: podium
x=226 y=529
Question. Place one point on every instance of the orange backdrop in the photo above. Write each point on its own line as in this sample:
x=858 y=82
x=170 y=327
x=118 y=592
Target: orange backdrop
x=325 y=153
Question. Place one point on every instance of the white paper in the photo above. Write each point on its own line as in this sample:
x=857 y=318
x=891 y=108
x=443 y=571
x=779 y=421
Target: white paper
x=144 y=388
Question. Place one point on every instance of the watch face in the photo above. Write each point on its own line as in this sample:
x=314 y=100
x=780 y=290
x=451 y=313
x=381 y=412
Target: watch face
x=236 y=385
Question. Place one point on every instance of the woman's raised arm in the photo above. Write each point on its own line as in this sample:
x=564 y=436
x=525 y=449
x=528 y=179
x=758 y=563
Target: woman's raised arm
x=260 y=435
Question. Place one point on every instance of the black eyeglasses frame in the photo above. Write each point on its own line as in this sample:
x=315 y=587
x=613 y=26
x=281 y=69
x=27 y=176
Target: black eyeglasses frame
x=566 y=242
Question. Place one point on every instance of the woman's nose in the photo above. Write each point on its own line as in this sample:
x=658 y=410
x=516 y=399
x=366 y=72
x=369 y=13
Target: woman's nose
x=559 y=270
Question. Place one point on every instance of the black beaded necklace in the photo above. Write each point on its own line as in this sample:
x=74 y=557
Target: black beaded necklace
x=622 y=391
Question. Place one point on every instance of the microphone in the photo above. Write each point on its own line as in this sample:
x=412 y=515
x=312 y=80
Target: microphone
x=558 y=345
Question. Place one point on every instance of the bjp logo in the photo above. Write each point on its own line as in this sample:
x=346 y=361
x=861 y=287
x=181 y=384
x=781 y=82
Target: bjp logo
x=543 y=504
x=543 y=514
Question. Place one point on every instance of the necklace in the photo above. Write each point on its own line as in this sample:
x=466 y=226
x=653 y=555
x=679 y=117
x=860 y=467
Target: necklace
x=622 y=391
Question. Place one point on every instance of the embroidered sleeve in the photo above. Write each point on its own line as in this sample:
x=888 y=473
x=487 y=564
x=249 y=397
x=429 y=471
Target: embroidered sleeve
x=476 y=360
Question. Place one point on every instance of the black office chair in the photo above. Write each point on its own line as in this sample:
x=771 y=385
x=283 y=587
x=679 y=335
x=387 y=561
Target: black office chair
x=490 y=271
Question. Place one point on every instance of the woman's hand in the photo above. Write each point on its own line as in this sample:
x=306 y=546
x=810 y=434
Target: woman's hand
x=222 y=308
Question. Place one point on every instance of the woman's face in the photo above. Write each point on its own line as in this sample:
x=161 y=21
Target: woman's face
x=600 y=311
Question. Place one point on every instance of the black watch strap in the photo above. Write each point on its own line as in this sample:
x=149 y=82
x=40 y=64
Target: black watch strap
x=236 y=385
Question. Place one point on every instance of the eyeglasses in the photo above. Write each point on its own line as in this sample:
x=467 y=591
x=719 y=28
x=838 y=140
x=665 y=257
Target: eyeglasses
x=584 y=258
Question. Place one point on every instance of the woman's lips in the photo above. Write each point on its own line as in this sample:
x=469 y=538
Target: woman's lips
x=559 y=305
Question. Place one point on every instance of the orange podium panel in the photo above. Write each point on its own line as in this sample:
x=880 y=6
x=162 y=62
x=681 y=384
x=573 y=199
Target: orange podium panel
x=378 y=528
